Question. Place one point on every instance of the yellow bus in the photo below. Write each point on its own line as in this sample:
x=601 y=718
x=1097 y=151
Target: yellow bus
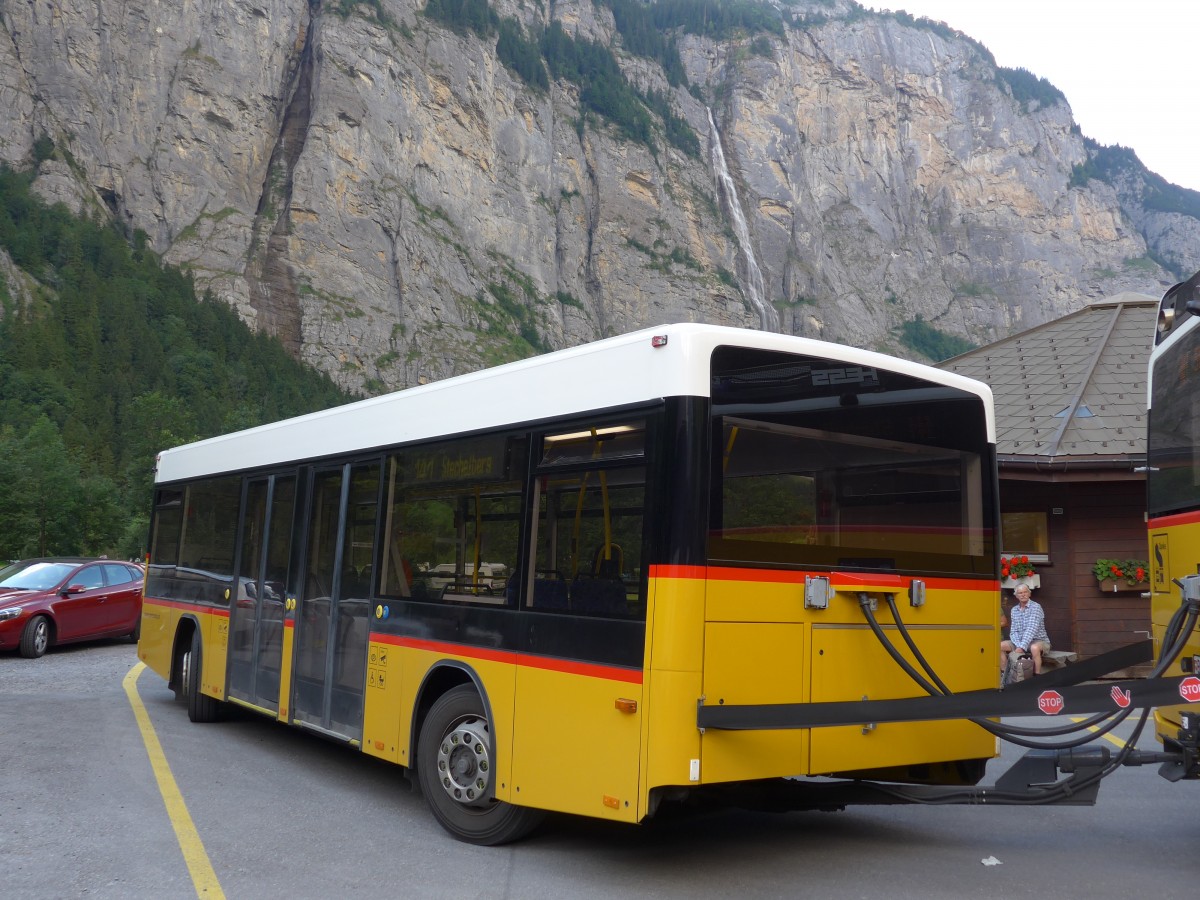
x=541 y=586
x=1173 y=510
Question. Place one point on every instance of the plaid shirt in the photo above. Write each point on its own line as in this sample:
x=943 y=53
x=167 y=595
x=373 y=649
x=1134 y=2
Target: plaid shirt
x=1027 y=625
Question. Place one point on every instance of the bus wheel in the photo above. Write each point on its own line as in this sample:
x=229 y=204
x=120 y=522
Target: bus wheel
x=35 y=638
x=201 y=707
x=454 y=769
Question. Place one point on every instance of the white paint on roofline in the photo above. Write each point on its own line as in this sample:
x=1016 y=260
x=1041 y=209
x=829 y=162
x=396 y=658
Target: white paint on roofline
x=618 y=371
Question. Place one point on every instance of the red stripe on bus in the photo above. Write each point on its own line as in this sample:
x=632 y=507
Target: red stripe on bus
x=782 y=576
x=1186 y=518
x=190 y=607
x=867 y=579
x=511 y=657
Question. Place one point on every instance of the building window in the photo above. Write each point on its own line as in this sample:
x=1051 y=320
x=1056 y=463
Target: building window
x=1026 y=533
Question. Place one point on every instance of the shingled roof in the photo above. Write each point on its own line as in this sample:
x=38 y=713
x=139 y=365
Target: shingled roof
x=1071 y=394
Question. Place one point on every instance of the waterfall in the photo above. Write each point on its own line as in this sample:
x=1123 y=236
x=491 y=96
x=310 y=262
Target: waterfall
x=753 y=283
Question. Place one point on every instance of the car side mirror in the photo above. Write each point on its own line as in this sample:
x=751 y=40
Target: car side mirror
x=75 y=589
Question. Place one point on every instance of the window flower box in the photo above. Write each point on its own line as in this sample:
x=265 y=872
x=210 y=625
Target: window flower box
x=1123 y=585
x=1121 y=575
x=1016 y=570
x=1034 y=581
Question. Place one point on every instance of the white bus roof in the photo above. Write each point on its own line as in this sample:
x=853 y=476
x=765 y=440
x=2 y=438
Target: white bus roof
x=618 y=371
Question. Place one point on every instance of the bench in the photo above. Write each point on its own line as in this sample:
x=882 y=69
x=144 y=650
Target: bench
x=1056 y=658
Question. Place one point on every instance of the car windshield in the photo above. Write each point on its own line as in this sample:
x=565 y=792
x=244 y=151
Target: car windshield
x=34 y=577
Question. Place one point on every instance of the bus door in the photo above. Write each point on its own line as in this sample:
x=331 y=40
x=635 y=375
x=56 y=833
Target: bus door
x=257 y=618
x=331 y=640
x=584 y=625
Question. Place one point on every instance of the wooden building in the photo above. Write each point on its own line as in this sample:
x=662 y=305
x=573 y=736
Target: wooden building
x=1071 y=444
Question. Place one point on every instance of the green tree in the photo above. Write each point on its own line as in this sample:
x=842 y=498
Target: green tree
x=154 y=422
x=114 y=358
x=463 y=15
x=521 y=55
x=100 y=515
x=16 y=522
x=44 y=499
x=931 y=342
x=1027 y=87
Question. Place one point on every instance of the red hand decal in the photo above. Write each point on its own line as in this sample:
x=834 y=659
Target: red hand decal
x=1120 y=697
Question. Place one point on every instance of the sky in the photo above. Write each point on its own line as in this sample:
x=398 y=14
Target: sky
x=1129 y=68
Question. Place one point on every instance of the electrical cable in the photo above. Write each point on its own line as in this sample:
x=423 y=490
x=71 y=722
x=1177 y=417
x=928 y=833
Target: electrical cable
x=1010 y=733
x=1175 y=638
x=920 y=657
x=864 y=603
x=1087 y=729
x=986 y=723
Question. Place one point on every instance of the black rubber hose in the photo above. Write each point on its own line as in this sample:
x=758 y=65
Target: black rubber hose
x=1012 y=733
x=1166 y=658
x=1175 y=638
x=864 y=603
x=920 y=657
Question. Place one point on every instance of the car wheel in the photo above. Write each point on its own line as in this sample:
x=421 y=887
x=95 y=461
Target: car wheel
x=455 y=771
x=35 y=638
x=201 y=707
x=136 y=634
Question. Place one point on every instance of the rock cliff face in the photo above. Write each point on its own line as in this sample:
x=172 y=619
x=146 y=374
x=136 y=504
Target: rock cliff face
x=396 y=204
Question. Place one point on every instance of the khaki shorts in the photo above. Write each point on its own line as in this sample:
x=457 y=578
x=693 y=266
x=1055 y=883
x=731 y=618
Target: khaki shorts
x=1045 y=645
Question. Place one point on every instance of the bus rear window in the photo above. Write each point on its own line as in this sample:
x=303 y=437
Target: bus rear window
x=834 y=479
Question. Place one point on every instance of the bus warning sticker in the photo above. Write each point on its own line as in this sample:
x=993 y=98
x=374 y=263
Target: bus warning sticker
x=377 y=668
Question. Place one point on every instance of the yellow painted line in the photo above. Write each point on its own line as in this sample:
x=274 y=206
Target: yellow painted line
x=1112 y=739
x=204 y=879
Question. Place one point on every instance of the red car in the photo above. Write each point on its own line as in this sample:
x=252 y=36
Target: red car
x=44 y=602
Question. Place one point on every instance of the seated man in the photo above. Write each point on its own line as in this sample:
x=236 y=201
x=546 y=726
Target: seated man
x=1027 y=630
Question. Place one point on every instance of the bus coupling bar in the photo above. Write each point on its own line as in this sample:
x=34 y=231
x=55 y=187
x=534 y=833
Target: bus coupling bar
x=1112 y=696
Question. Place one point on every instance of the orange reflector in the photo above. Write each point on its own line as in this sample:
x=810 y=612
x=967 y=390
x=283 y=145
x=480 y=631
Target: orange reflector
x=379 y=745
x=612 y=802
x=625 y=705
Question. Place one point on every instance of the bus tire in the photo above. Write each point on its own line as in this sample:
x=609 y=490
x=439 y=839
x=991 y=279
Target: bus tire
x=35 y=638
x=201 y=707
x=455 y=771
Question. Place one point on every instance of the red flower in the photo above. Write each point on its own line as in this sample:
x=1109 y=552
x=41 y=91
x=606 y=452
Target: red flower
x=1141 y=574
x=1015 y=567
x=1116 y=570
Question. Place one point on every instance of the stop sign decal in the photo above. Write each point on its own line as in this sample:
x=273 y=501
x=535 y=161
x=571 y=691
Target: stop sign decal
x=1051 y=702
x=1189 y=689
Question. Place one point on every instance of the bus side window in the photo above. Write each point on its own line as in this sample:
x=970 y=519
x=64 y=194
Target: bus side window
x=587 y=540
x=452 y=521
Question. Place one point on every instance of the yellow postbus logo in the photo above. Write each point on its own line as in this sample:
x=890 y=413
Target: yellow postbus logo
x=1160 y=564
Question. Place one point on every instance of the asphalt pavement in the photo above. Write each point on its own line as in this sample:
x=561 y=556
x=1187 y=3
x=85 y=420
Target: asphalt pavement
x=280 y=813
